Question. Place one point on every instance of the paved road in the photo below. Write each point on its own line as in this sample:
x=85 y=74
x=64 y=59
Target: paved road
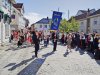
x=20 y=62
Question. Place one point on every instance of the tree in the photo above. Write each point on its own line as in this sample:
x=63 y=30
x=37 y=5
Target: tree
x=66 y=26
x=63 y=25
x=74 y=24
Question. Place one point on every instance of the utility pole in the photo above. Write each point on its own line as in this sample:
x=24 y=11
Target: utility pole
x=58 y=9
x=68 y=14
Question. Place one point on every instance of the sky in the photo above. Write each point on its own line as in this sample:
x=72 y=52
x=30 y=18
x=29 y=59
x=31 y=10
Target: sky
x=37 y=9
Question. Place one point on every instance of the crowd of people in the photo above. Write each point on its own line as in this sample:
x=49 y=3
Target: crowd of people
x=89 y=42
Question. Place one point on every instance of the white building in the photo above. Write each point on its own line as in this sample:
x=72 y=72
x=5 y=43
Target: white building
x=5 y=18
x=43 y=25
x=18 y=20
x=89 y=21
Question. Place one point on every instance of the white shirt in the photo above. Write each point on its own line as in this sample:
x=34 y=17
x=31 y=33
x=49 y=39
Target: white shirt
x=99 y=45
x=91 y=39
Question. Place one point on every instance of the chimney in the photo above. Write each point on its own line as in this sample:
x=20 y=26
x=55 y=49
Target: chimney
x=88 y=12
x=47 y=17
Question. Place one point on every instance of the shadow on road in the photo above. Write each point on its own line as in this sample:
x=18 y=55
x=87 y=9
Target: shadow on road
x=32 y=68
x=24 y=62
x=18 y=48
x=80 y=51
x=11 y=64
x=66 y=53
x=98 y=62
x=48 y=54
x=90 y=54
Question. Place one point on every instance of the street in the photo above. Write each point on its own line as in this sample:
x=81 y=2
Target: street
x=16 y=61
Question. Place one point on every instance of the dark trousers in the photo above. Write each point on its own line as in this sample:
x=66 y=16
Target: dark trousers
x=83 y=44
x=97 y=54
x=36 y=49
x=55 y=46
x=91 y=47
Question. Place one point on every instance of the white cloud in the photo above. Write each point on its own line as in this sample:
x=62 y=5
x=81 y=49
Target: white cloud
x=33 y=17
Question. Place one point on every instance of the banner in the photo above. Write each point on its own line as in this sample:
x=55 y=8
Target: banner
x=56 y=18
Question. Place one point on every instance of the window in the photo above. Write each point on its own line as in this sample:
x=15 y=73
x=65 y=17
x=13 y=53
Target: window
x=81 y=30
x=6 y=2
x=94 y=30
x=3 y=2
x=40 y=26
x=45 y=26
x=82 y=23
x=95 y=22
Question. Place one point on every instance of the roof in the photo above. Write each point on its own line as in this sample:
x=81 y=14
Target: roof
x=81 y=16
x=86 y=14
x=44 y=21
x=83 y=11
x=18 y=5
x=95 y=13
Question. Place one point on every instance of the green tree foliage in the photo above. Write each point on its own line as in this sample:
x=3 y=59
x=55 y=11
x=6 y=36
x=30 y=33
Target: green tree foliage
x=66 y=26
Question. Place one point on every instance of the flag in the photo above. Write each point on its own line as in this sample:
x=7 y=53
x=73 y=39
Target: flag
x=56 y=18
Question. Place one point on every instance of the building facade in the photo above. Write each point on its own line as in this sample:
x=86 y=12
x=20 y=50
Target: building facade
x=18 y=20
x=43 y=25
x=11 y=18
x=5 y=19
x=89 y=20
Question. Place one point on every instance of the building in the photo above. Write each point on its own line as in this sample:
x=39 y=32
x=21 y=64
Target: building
x=43 y=25
x=89 y=20
x=18 y=20
x=5 y=19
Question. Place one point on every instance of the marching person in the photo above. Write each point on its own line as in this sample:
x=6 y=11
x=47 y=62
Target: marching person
x=82 y=37
x=45 y=41
x=62 y=38
x=35 y=39
x=97 y=53
x=91 y=44
x=55 y=42
x=69 y=40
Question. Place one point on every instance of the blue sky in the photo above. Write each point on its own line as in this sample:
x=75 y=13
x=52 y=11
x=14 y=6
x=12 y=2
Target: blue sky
x=37 y=9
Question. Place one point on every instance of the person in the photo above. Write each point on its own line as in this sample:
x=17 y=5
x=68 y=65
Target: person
x=69 y=40
x=66 y=39
x=35 y=39
x=45 y=41
x=73 y=41
x=55 y=42
x=78 y=40
x=62 y=38
x=53 y=34
x=48 y=39
x=91 y=44
x=29 y=38
x=11 y=37
x=19 y=43
x=82 y=37
x=97 y=53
